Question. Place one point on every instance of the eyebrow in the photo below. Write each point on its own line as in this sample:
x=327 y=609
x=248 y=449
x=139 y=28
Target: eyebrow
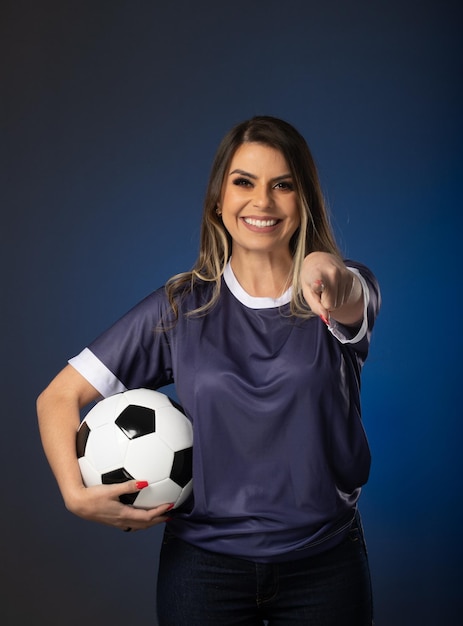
x=254 y=177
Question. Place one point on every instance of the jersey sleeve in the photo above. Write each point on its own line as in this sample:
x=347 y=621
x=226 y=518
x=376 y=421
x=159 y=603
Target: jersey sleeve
x=134 y=352
x=358 y=337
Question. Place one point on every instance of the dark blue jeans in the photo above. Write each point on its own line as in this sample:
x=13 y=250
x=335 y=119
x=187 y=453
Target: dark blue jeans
x=201 y=588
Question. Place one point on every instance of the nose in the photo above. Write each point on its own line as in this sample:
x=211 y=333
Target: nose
x=262 y=197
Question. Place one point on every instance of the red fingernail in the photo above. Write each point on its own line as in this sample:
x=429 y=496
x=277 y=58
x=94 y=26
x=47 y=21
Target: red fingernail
x=171 y=506
x=323 y=318
x=141 y=484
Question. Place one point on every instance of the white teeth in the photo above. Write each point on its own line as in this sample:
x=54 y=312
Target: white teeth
x=260 y=223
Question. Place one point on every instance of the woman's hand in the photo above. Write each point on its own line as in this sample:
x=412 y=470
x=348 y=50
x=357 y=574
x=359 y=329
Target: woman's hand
x=330 y=289
x=102 y=504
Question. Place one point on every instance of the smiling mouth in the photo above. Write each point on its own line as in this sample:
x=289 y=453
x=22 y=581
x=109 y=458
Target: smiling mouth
x=260 y=223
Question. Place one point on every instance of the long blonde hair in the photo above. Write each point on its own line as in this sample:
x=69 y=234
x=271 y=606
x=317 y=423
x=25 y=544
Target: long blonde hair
x=313 y=234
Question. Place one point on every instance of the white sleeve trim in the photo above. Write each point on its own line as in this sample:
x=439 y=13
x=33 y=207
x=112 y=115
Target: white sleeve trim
x=97 y=374
x=335 y=328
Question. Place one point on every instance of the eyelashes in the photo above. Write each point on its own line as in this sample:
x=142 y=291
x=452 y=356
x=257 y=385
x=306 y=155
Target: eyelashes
x=283 y=185
x=242 y=182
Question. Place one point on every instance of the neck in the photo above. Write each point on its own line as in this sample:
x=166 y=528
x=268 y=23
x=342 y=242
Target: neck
x=263 y=276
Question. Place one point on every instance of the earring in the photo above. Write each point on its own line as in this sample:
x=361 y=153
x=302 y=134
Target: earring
x=218 y=211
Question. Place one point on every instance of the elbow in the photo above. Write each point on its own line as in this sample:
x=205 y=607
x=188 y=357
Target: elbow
x=41 y=403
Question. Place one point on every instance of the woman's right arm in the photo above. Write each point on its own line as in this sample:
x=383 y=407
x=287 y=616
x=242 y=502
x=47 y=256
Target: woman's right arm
x=58 y=410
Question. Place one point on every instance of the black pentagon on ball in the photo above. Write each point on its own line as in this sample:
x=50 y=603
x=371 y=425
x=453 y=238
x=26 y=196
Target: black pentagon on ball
x=136 y=421
x=182 y=467
x=82 y=438
x=120 y=475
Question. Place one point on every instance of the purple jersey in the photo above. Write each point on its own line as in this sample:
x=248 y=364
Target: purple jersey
x=280 y=453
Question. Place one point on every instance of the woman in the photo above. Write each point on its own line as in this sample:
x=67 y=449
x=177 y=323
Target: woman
x=265 y=339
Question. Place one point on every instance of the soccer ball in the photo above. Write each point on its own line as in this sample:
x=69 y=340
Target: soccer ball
x=138 y=434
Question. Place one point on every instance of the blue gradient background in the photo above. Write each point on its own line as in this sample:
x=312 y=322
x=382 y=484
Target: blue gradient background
x=111 y=113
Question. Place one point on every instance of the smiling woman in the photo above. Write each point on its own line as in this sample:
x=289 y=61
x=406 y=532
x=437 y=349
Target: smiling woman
x=295 y=174
x=264 y=339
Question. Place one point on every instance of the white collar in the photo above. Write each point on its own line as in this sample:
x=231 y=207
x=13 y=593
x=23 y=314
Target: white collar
x=253 y=302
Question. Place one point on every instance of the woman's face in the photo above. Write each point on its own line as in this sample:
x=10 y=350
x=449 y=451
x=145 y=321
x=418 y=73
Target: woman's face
x=259 y=204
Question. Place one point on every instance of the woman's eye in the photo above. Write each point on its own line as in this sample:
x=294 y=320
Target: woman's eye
x=242 y=182
x=285 y=185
